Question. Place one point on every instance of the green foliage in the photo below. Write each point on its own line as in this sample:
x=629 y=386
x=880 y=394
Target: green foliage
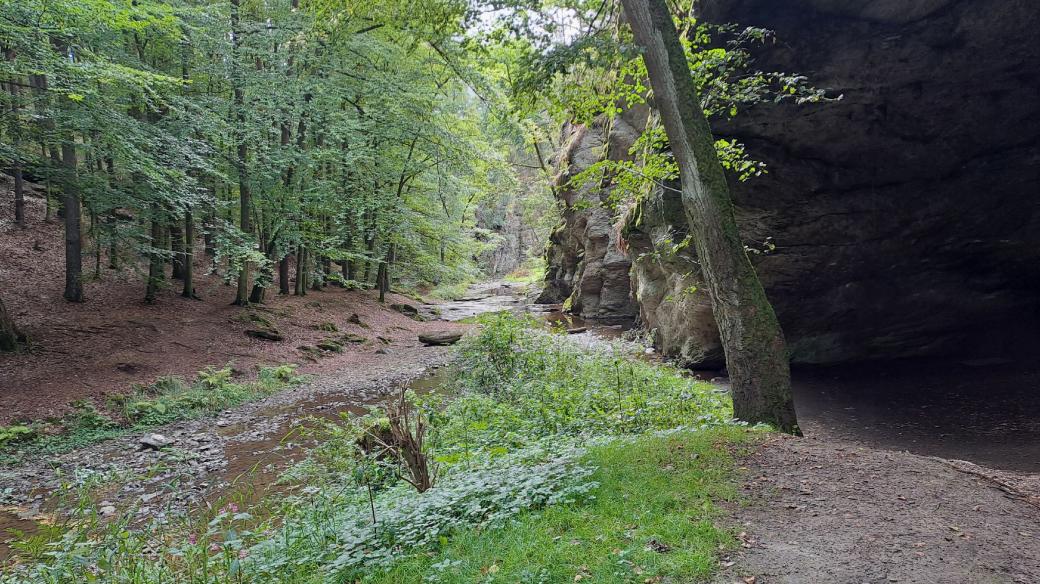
x=556 y=75
x=352 y=125
x=545 y=454
x=519 y=382
x=531 y=272
x=15 y=433
x=655 y=488
x=453 y=291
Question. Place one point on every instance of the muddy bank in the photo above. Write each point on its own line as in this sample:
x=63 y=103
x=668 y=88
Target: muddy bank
x=242 y=450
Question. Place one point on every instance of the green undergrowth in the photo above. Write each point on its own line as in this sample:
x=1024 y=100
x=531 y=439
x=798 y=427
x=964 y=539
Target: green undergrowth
x=452 y=291
x=652 y=517
x=551 y=463
x=530 y=273
x=168 y=399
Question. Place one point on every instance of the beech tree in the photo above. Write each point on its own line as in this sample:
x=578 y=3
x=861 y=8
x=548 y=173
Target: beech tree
x=756 y=355
x=342 y=137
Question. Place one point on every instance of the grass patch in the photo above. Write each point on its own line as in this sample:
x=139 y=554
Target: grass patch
x=452 y=291
x=652 y=518
x=168 y=399
x=531 y=272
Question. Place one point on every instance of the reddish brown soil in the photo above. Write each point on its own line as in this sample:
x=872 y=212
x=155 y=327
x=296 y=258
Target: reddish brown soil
x=114 y=340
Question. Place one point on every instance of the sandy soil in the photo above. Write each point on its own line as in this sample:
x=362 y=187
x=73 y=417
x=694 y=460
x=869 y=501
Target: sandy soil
x=837 y=513
x=114 y=340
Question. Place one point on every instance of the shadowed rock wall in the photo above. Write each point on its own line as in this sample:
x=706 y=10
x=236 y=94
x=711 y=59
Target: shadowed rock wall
x=907 y=215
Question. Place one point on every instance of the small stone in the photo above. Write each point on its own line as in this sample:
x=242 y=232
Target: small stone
x=153 y=442
x=107 y=511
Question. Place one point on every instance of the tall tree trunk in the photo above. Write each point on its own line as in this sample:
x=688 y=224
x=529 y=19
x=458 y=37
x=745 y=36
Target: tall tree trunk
x=326 y=270
x=301 y=271
x=756 y=355
x=16 y=132
x=257 y=295
x=56 y=162
x=73 y=229
x=177 y=250
x=242 y=152
x=370 y=246
x=188 y=273
x=209 y=245
x=283 y=275
x=381 y=281
x=155 y=259
x=9 y=335
x=19 y=195
x=383 y=277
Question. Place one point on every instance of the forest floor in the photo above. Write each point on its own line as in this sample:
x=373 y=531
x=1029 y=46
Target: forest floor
x=826 y=510
x=113 y=341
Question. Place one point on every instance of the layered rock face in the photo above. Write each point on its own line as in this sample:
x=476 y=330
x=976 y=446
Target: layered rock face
x=587 y=267
x=906 y=216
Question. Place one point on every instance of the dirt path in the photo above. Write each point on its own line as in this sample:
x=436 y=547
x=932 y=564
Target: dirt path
x=836 y=513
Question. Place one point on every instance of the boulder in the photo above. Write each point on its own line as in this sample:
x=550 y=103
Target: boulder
x=408 y=310
x=440 y=338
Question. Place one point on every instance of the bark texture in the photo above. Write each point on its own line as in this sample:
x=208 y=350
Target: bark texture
x=751 y=337
x=73 y=228
x=188 y=291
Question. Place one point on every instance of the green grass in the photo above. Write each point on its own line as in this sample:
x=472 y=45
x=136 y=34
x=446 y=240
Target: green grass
x=531 y=272
x=451 y=291
x=653 y=490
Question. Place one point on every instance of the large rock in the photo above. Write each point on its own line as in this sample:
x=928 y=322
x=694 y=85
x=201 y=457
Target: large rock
x=586 y=265
x=905 y=216
x=440 y=338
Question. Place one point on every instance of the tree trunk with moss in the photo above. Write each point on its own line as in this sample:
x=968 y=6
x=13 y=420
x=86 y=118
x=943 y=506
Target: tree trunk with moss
x=756 y=355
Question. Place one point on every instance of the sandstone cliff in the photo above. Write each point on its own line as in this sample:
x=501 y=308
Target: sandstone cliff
x=906 y=216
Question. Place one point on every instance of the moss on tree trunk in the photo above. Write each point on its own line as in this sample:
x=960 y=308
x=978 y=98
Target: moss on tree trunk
x=756 y=355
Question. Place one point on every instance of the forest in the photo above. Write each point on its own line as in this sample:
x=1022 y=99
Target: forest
x=519 y=291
